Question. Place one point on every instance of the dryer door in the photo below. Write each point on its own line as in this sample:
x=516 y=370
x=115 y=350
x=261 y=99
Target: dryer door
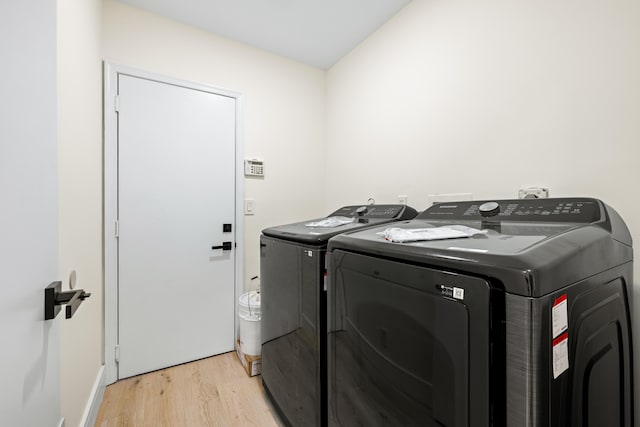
x=408 y=345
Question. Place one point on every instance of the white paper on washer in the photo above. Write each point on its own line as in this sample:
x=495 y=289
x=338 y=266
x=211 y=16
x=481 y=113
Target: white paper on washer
x=403 y=235
x=331 y=222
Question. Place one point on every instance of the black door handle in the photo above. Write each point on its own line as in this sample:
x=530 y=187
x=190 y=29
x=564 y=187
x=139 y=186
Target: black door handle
x=54 y=298
x=226 y=246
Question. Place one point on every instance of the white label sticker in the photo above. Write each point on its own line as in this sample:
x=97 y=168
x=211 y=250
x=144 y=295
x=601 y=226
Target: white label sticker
x=559 y=319
x=458 y=293
x=309 y=253
x=256 y=367
x=560 y=355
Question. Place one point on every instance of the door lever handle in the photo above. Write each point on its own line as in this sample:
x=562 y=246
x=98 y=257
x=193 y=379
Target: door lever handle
x=54 y=298
x=226 y=246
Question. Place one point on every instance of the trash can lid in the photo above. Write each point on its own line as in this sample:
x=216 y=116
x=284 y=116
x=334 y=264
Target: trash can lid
x=250 y=299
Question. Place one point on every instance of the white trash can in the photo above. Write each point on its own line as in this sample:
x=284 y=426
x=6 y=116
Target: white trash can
x=250 y=315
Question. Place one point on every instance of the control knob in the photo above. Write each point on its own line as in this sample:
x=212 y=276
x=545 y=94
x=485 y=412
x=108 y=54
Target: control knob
x=489 y=209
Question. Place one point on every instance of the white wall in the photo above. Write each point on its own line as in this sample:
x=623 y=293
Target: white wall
x=284 y=110
x=80 y=192
x=486 y=97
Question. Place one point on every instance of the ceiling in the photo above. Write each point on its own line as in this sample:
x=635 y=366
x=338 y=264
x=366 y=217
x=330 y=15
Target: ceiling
x=314 y=32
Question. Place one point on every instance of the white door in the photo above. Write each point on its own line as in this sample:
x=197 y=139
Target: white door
x=176 y=190
x=30 y=355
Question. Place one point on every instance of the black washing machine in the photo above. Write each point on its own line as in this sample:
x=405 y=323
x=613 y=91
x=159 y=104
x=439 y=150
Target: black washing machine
x=526 y=323
x=293 y=293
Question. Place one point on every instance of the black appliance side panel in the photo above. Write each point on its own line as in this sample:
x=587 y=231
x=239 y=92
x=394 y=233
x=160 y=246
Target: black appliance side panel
x=597 y=387
x=600 y=382
x=525 y=369
x=280 y=293
x=402 y=350
x=291 y=297
x=309 y=338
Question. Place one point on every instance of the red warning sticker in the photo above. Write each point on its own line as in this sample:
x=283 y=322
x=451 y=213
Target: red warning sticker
x=559 y=319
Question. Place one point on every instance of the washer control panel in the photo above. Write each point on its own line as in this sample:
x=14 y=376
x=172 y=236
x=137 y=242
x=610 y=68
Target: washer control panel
x=373 y=211
x=581 y=210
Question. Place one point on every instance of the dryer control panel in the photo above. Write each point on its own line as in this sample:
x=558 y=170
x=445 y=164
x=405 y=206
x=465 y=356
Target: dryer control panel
x=574 y=210
x=377 y=211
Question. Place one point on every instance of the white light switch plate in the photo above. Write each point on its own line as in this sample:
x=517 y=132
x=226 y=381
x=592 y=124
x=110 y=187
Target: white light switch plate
x=249 y=206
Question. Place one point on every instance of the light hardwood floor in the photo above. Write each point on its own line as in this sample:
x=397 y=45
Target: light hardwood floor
x=210 y=392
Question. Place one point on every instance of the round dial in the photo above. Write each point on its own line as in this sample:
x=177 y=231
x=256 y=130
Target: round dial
x=489 y=209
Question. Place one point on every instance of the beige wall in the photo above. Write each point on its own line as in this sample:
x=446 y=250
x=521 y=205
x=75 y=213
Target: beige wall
x=284 y=108
x=486 y=97
x=80 y=192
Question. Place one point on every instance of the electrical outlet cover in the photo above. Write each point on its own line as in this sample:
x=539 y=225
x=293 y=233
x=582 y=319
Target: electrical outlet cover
x=533 y=193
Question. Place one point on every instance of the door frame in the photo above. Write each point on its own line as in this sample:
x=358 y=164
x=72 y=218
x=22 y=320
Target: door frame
x=110 y=194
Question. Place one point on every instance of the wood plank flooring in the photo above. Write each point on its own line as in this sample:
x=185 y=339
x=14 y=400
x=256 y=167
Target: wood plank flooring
x=210 y=392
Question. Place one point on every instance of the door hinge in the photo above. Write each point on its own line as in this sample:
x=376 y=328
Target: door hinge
x=117 y=353
x=117 y=228
x=116 y=104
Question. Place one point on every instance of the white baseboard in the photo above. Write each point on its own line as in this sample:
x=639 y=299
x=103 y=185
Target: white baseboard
x=95 y=400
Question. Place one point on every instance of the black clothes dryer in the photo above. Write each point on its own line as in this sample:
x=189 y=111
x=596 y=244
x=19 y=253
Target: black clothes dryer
x=293 y=292
x=525 y=324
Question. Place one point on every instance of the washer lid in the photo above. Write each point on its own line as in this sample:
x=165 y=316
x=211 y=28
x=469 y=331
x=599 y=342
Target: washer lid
x=362 y=216
x=503 y=239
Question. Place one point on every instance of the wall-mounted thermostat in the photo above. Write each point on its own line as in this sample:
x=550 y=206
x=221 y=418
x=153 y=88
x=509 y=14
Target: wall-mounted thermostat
x=253 y=167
